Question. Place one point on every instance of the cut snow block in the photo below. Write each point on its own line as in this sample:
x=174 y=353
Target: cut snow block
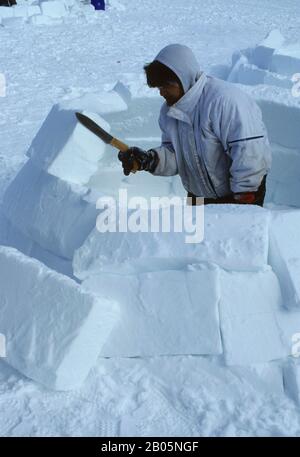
x=40 y=19
x=250 y=75
x=10 y=236
x=284 y=254
x=235 y=237
x=162 y=312
x=282 y=121
x=49 y=211
x=108 y=181
x=67 y=149
x=53 y=8
x=6 y=12
x=21 y=11
x=286 y=60
x=54 y=330
x=34 y=10
x=262 y=54
x=248 y=306
x=100 y=103
x=283 y=185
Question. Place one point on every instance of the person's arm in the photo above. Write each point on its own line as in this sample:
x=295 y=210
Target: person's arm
x=244 y=139
x=167 y=165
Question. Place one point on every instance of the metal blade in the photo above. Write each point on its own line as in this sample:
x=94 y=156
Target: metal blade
x=95 y=128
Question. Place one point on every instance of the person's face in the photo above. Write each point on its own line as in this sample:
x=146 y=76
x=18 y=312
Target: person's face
x=171 y=92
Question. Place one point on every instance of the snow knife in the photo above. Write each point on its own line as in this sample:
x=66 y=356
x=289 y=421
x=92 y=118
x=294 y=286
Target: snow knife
x=105 y=136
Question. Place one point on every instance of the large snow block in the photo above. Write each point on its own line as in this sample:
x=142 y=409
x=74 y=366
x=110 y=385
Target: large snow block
x=286 y=60
x=262 y=53
x=248 y=306
x=108 y=180
x=284 y=254
x=54 y=330
x=282 y=121
x=11 y=236
x=162 y=312
x=6 y=12
x=65 y=148
x=113 y=101
x=235 y=237
x=250 y=74
x=53 y=8
x=283 y=185
x=49 y=211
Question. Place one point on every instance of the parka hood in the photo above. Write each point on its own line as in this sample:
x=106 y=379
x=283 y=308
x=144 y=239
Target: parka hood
x=182 y=61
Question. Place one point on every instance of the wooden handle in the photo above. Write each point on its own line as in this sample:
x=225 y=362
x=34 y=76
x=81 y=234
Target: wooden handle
x=119 y=145
x=124 y=147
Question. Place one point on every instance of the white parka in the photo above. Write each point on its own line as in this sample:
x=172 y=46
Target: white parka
x=214 y=136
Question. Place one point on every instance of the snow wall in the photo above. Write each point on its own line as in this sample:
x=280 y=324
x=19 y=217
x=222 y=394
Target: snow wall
x=95 y=295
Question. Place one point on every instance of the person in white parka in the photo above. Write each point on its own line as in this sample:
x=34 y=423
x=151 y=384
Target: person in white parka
x=213 y=134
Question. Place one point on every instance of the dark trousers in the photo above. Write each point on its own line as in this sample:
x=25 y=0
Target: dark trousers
x=7 y=2
x=259 y=197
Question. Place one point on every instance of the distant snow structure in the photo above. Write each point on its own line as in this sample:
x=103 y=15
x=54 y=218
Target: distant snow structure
x=271 y=62
x=47 y=12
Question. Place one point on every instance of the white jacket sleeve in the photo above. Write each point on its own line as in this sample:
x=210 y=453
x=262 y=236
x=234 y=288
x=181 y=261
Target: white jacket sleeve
x=167 y=165
x=244 y=139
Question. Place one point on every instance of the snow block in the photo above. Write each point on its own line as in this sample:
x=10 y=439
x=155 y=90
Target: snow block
x=249 y=74
x=284 y=254
x=283 y=185
x=162 y=312
x=67 y=149
x=53 y=8
x=235 y=237
x=250 y=332
x=10 y=236
x=100 y=103
x=262 y=54
x=21 y=11
x=41 y=19
x=6 y=12
x=286 y=60
x=282 y=121
x=109 y=179
x=54 y=330
x=49 y=211
x=33 y=10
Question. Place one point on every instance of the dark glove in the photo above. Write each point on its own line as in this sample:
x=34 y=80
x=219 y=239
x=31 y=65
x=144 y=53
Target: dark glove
x=136 y=158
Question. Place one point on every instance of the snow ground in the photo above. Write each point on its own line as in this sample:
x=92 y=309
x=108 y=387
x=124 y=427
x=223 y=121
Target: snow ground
x=134 y=396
